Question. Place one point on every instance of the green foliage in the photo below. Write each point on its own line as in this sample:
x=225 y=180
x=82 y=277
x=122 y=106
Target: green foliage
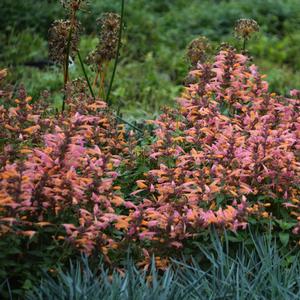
x=37 y=15
x=148 y=92
x=22 y=260
x=21 y=47
x=155 y=38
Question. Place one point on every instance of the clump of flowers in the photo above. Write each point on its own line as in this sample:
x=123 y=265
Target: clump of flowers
x=74 y=5
x=64 y=38
x=62 y=172
x=22 y=123
x=245 y=28
x=229 y=151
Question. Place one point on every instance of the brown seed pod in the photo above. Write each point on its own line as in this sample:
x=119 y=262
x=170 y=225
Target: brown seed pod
x=197 y=50
x=105 y=51
x=245 y=28
x=74 y=5
x=58 y=40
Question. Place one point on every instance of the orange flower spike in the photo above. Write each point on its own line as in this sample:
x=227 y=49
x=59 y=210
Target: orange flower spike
x=141 y=184
x=32 y=129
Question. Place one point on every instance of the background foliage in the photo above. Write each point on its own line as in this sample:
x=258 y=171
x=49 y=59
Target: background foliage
x=153 y=65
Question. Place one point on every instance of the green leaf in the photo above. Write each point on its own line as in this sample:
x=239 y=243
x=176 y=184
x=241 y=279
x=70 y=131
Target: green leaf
x=220 y=199
x=284 y=238
x=27 y=284
x=233 y=239
x=285 y=225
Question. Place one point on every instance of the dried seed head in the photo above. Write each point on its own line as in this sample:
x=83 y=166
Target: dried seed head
x=245 y=28
x=74 y=5
x=78 y=95
x=58 y=40
x=106 y=50
x=22 y=92
x=197 y=50
x=91 y=59
x=77 y=86
x=226 y=47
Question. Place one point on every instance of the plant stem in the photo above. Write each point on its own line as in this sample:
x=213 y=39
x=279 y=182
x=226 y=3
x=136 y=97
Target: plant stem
x=85 y=74
x=117 y=54
x=66 y=66
x=129 y=124
x=101 y=87
x=96 y=78
x=244 y=45
x=92 y=93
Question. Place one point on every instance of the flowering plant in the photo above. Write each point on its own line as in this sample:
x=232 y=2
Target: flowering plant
x=229 y=153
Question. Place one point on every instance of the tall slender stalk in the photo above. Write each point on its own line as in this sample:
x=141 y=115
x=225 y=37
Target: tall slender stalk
x=105 y=71
x=129 y=124
x=96 y=77
x=103 y=74
x=92 y=93
x=244 y=44
x=66 y=66
x=85 y=74
x=117 y=54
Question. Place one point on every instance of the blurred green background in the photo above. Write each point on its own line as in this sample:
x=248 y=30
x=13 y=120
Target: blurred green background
x=153 y=65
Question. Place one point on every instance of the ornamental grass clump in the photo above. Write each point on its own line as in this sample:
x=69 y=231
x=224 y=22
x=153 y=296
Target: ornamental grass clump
x=256 y=272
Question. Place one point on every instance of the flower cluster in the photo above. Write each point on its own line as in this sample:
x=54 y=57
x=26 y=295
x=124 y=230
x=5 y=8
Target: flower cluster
x=21 y=124
x=229 y=151
x=74 y=5
x=67 y=178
